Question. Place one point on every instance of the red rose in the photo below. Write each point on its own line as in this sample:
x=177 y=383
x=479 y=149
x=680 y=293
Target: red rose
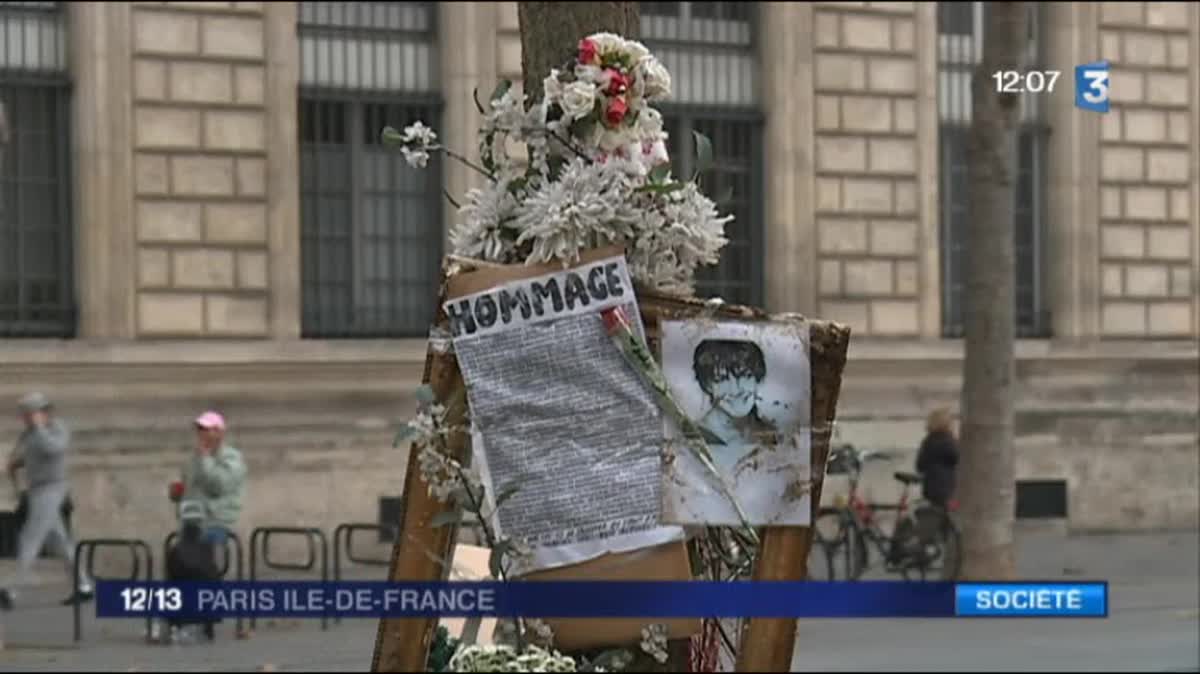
x=587 y=52
x=615 y=114
x=617 y=83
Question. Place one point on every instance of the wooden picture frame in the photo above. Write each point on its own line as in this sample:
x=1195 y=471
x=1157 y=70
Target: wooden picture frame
x=420 y=552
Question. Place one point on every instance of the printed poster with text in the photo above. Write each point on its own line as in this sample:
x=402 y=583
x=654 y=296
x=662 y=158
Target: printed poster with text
x=558 y=414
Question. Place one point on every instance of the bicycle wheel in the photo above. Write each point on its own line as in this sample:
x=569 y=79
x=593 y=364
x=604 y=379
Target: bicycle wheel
x=824 y=546
x=937 y=546
x=835 y=529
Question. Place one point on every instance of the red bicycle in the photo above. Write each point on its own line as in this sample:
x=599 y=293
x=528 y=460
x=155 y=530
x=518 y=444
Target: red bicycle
x=924 y=542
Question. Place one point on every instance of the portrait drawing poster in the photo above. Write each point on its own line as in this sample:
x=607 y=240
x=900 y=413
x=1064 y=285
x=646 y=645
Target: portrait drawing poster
x=748 y=387
x=557 y=412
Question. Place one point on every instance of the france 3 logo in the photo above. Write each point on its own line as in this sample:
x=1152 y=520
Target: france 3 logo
x=1091 y=86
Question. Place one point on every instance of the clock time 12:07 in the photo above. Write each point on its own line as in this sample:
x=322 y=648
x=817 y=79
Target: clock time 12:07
x=1021 y=81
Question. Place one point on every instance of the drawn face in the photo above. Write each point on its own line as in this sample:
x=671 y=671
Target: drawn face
x=735 y=396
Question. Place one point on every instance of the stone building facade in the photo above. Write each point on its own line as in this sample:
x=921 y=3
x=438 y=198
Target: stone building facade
x=237 y=238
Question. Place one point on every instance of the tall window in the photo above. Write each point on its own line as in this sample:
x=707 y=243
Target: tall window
x=371 y=226
x=710 y=50
x=960 y=47
x=37 y=296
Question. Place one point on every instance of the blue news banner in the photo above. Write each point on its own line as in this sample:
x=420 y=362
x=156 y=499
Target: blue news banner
x=607 y=599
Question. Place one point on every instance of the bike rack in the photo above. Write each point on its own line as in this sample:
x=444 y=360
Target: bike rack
x=87 y=548
x=346 y=531
x=312 y=535
x=238 y=557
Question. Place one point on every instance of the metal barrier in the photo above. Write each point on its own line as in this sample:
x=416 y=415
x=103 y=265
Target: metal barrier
x=238 y=559
x=347 y=531
x=87 y=548
x=312 y=535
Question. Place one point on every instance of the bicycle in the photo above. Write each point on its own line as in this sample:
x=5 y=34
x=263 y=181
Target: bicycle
x=925 y=540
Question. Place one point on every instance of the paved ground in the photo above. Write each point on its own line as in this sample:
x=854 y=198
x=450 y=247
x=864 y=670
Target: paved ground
x=1154 y=626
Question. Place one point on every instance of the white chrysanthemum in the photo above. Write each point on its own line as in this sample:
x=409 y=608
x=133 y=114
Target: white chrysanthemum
x=552 y=86
x=587 y=206
x=480 y=232
x=508 y=113
x=680 y=231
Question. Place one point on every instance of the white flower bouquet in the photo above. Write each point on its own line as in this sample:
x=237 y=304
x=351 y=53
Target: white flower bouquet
x=585 y=167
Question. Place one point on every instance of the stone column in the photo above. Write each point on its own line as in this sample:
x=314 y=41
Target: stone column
x=200 y=110
x=468 y=38
x=868 y=166
x=787 y=71
x=1072 y=208
x=100 y=60
x=1147 y=171
x=283 y=167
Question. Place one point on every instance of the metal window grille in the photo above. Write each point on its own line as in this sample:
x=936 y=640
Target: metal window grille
x=371 y=225
x=37 y=293
x=710 y=50
x=960 y=26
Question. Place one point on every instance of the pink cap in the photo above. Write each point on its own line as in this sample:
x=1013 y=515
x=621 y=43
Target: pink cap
x=211 y=421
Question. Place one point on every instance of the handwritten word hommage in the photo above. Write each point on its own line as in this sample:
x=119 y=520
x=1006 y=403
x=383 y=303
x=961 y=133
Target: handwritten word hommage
x=588 y=288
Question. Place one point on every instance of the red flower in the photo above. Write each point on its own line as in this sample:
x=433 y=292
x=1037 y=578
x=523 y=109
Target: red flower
x=587 y=52
x=176 y=490
x=615 y=114
x=617 y=83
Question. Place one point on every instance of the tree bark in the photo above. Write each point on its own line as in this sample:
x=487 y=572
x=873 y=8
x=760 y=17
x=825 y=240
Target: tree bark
x=551 y=31
x=987 y=469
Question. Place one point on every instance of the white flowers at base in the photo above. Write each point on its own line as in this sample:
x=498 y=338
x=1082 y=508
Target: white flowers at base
x=654 y=642
x=594 y=171
x=501 y=658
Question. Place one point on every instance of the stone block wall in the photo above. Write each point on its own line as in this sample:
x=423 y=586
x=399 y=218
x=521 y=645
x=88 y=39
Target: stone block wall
x=200 y=164
x=1147 y=169
x=866 y=156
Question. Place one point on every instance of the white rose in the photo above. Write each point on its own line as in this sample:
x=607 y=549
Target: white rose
x=636 y=50
x=606 y=42
x=578 y=99
x=650 y=123
x=657 y=79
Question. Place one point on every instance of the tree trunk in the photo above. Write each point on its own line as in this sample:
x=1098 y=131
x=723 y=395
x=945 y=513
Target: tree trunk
x=551 y=31
x=987 y=472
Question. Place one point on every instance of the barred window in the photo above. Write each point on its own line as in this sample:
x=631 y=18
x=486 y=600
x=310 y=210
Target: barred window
x=371 y=225
x=37 y=297
x=960 y=27
x=710 y=49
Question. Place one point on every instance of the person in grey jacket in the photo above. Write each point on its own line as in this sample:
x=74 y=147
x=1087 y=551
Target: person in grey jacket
x=42 y=452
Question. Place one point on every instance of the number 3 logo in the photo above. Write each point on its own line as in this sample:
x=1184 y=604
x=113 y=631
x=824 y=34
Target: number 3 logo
x=1097 y=89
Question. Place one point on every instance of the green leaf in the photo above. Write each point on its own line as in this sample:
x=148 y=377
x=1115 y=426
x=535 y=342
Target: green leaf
x=704 y=152
x=501 y=88
x=390 y=136
x=424 y=394
x=496 y=558
x=444 y=518
x=507 y=493
x=659 y=173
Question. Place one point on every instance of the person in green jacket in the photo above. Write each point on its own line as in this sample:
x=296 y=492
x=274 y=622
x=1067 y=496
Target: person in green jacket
x=215 y=477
